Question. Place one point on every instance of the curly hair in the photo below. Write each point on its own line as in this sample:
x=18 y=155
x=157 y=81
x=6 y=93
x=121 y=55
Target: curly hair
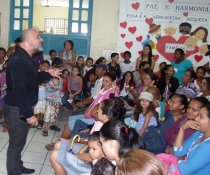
x=138 y=110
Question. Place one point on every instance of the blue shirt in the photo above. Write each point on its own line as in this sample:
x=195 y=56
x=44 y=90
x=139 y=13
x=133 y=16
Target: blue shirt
x=198 y=159
x=181 y=68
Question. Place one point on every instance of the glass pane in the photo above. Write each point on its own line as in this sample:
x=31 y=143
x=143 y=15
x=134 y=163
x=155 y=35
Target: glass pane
x=25 y=13
x=85 y=4
x=84 y=15
x=75 y=15
x=26 y=3
x=25 y=24
x=74 y=27
x=17 y=13
x=16 y=25
x=84 y=28
x=17 y=2
x=52 y=18
x=76 y=4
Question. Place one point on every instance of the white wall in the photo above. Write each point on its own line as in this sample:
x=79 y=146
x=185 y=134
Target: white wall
x=4 y=27
x=104 y=25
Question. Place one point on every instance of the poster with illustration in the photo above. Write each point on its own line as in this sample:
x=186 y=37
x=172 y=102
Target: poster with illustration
x=165 y=25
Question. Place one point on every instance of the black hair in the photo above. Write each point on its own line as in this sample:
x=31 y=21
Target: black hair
x=208 y=81
x=80 y=57
x=75 y=66
x=122 y=81
x=163 y=72
x=183 y=100
x=114 y=55
x=127 y=53
x=192 y=74
x=202 y=100
x=181 y=51
x=185 y=24
x=65 y=70
x=95 y=136
x=207 y=106
x=100 y=60
x=182 y=27
x=113 y=108
x=4 y=50
x=208 y=52
x=89 y=59
x=163 y=63
x=51 y=51
x=150 y=53
x=17 y=40
x=127 y=137
x=143 y=63
x=70 y=42
x=103 y=167
x=111 y=75
x=151 y=74
x=202 y=68
x=45 y=62
x=57 y=61
x=43 y=78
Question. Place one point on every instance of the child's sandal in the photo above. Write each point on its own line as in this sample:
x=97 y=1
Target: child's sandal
x=45 y=133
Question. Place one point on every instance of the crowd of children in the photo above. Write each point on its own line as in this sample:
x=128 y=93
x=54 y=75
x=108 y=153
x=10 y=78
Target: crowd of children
x=127 y=107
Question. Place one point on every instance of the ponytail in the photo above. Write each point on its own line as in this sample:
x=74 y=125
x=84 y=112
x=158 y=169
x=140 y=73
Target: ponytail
x=127 y=137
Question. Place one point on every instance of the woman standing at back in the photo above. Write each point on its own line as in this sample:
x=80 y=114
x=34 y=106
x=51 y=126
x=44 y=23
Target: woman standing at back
x=146 y=56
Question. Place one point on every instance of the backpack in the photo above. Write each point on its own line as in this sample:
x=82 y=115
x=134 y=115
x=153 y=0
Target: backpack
x=170 y=163
x=153 y=140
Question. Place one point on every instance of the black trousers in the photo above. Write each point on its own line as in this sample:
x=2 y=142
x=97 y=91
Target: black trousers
x=18 y=131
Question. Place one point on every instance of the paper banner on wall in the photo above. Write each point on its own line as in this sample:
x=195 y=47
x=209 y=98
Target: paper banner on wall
x=165 y=25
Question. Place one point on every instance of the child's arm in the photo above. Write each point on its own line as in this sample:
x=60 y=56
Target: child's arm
x=84 y=155
x=146 y=123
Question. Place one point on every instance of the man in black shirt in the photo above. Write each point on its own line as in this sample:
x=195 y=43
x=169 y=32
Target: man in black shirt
x=22 y=94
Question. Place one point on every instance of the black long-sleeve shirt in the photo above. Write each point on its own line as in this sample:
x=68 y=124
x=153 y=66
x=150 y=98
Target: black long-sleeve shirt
x=22 y=82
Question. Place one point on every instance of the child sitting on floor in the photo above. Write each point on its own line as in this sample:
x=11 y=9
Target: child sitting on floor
x=81 y=162
x=103 y=167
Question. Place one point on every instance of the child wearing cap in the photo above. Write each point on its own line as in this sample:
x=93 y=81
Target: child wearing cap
x=145 y=113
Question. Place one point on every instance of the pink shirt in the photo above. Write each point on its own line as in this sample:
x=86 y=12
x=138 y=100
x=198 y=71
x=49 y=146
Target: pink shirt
x=103 y=94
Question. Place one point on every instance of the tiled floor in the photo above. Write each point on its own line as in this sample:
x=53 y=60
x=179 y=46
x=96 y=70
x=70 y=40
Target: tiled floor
x=34 y=154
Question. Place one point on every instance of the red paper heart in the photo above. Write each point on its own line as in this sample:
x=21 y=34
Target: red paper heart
x=140 y=52
x=122 y=54
x=139 y=38
x=171 y=1
x=129 y=44
x=198 y=58
x=161 y=44
x=155 y=57
x=123 y=35
x=135 y=5
x=123 y=24
x=185 y=14
x=149 y=20
x=132 y=30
